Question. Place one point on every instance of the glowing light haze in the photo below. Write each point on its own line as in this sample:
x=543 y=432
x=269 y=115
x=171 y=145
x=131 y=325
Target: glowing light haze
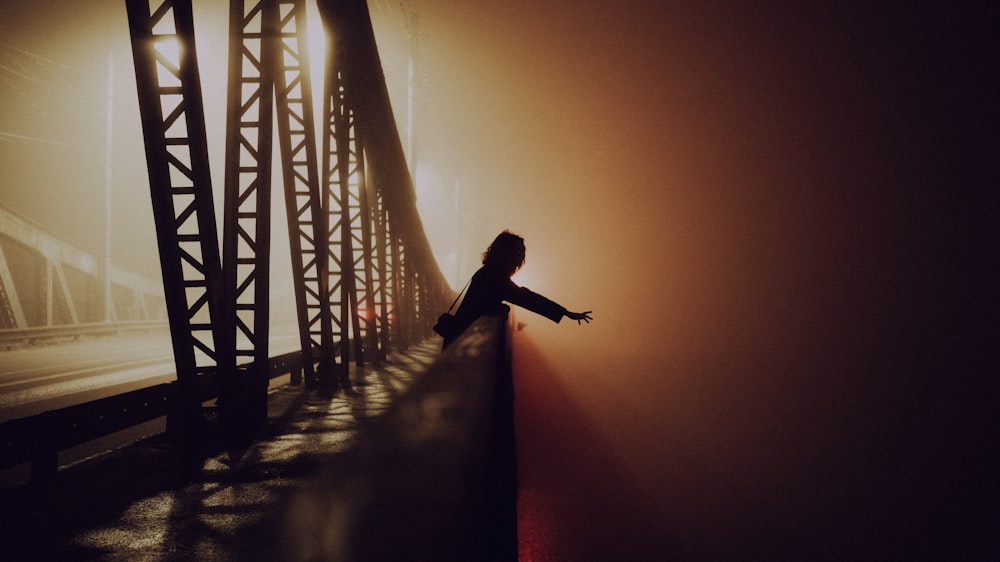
x=777 y=211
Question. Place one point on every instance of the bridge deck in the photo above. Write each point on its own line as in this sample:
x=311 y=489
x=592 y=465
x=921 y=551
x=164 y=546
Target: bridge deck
x=135 y=500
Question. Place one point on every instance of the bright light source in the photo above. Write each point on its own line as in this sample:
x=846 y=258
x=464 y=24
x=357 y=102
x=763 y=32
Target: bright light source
x=316 y=41
x=168 y=59
x=525 y=279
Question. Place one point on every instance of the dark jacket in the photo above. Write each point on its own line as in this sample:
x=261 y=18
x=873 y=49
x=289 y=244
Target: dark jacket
x=489 y=288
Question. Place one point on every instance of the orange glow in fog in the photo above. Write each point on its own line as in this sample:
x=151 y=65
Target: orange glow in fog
x=523 y=278
x=575 y=500
x=775 y=210
x=536 y=522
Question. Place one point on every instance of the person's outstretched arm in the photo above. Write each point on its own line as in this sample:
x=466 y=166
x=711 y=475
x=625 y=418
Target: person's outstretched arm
x=534 y=302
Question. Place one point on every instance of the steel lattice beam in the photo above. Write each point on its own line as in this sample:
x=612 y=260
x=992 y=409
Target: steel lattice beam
x=246 y=241
x=360 y=260
x=269 y=66
x=382 y=287
x=306 y=221
x=413 y=288
x=341 y=156
x=173 y=122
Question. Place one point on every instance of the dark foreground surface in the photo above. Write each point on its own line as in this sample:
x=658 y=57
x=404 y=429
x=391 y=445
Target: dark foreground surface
x=141 y=503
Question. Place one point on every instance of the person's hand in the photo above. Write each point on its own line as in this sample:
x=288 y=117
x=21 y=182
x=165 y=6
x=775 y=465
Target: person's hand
x=578 y=316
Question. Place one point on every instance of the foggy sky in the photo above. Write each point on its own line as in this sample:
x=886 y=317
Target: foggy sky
x=777 y=214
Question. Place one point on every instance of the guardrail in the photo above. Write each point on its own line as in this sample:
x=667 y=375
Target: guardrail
x=38 y=439
x=438 y=470
x=10 y=336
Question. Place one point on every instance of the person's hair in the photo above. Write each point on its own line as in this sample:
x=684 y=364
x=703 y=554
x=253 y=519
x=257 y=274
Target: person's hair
x=506 y=252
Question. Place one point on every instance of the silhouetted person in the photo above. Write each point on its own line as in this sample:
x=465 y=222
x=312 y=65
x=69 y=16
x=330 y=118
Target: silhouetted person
x=492 y=285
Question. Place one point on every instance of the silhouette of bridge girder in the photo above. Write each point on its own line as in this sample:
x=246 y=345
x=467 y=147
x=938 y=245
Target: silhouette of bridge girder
x=364 y=276
x=361 y=126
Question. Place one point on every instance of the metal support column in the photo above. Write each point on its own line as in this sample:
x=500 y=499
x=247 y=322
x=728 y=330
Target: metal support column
x=381 y=291
x=306 y=221
x=173 y=124
x=339 y=162
x=246 y=238
x=414 y=277
x=359 y=213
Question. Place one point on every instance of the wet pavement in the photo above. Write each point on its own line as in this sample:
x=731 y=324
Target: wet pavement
x=141 y=503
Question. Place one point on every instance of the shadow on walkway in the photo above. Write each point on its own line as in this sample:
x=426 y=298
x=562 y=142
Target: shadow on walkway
x=139 y=501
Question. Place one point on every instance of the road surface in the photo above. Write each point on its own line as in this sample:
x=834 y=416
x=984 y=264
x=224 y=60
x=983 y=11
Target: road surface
x=45 y=377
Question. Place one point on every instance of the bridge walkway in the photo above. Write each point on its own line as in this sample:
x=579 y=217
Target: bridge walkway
x=297 y=493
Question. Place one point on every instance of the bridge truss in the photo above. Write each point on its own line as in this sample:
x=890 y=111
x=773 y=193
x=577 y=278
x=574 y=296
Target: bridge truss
x=365 y=279
x=60 y=284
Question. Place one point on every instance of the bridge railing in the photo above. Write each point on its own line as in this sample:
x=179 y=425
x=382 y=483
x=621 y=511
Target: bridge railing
x=38 y=439
x=13 y=336
x=438 y=469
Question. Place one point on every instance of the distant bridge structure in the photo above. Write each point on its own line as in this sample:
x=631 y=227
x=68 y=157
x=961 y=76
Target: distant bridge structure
x=364 y=276
x=46 y=282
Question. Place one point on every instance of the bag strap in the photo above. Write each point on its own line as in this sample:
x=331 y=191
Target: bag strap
x=460 y=294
